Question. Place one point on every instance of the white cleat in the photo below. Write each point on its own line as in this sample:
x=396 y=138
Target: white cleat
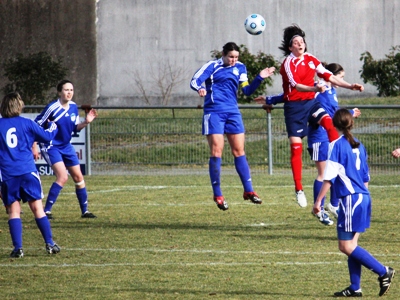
x=333 y=210
x=301 y=198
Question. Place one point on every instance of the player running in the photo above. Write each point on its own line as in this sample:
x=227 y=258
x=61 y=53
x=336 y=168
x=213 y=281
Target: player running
x=348 y=173
x=19 y=177
x=222 y=78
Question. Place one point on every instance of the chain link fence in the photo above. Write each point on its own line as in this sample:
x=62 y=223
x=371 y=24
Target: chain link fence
x=171 y=142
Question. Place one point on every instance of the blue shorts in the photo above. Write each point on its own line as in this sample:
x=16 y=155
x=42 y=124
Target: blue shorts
x=26 y=187
x=221 y=123
x=298 y=114
x=354 y=213
x=319 y=151
x=66 y=154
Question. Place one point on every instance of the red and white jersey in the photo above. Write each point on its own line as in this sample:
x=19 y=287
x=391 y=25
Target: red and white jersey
x=301 y=71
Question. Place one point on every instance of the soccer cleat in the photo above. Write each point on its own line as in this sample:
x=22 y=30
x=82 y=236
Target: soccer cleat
x=252 y=196
x=301 y=198
x=333 y=210
x=348 y=292
x=323 y=217
x=385 y=281
x=52 y=249
x=221 y=203
x=88 y=215
x=17 y=253
x=49 y=215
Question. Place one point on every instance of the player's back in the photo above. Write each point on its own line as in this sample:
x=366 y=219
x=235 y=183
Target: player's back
x=16 y=142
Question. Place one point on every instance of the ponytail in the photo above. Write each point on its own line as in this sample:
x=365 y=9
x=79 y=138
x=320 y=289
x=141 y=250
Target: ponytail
x=343 y=121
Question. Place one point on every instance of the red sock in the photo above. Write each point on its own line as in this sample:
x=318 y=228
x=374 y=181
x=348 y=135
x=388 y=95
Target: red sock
x=326 y=122
x=296 y=150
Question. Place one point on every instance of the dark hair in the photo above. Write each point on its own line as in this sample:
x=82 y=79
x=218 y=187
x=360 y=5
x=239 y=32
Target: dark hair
x=343 y=121
x=288 y=34
x=61 y=84
x=334 y=68
x=231 y=46
x=12 y=105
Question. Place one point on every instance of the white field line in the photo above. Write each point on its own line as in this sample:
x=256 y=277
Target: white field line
x=196 y=251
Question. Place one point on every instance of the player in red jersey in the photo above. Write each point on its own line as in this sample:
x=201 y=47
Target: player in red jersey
x=298 y=72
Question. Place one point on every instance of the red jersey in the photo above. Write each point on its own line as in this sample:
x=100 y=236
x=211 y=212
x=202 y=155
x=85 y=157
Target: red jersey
x=301 y=71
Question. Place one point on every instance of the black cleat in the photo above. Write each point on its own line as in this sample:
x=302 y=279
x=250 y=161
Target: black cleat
x=17 y=253
x=88 y=215
x=348 y=292
x=252 y=196
x=49 y=215
x=385 y=281
x=52 y=249
x=221 y=203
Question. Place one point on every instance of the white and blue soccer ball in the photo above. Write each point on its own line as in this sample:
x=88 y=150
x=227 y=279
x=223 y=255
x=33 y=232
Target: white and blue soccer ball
x=254 y=24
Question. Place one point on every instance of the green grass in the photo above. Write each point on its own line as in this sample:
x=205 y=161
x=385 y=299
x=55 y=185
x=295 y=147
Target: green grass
x=162 y=237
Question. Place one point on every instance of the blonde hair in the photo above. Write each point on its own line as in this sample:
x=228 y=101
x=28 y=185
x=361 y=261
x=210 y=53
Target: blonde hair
x=12 y=105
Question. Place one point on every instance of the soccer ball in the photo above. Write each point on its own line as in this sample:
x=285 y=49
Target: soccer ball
x=254 y=24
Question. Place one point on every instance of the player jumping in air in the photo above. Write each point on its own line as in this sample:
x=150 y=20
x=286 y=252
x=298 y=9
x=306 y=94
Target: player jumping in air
x=222 y=78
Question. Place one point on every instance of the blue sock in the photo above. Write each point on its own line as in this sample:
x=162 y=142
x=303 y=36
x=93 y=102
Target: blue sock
x=214 y=168
x=316 y=188
x=44 y=226
x=334 y=198
x=368 y=261
x=83 y=199
x=355 y=273
x=54 y=191
x=15 y=226
x=243 y=169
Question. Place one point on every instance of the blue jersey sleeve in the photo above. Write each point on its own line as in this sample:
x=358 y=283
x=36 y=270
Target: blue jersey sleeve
x=202 y=75
x=249 y=89
x=274 y=99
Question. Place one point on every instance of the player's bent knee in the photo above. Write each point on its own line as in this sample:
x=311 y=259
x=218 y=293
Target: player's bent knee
x=80 y=183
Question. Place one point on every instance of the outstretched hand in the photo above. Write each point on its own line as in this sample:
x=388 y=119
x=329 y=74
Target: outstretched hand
x=91 y=115
x=396 y=153
x=267 y=72
x=357 y=87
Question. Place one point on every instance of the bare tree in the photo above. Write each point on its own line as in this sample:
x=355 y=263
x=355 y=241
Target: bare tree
x=165 y=76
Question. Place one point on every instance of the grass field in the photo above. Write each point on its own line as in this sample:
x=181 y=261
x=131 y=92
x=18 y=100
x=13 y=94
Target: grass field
x=162 y=237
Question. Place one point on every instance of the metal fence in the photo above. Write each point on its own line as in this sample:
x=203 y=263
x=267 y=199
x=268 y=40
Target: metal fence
x=171 y=142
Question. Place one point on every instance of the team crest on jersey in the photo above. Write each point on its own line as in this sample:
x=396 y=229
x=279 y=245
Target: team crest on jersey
x=235 y=71
x=311 y=65
x=73 y=117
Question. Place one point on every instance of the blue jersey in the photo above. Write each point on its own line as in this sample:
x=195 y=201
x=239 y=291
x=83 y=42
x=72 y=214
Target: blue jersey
x=347 y=168
x=17 y=135
x=221 y=84
x=66 y=120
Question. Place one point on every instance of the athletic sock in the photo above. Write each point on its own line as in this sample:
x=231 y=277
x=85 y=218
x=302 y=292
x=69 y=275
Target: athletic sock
x=54 y=191
x=354 y=272
x=316 y=188
x=214 y=168
x=334 y=199
x=243 y=169
x=326 y=122
x=45 y=229
x=296 y=150
x=15 y=226
x=82 y=196
x=368 y=261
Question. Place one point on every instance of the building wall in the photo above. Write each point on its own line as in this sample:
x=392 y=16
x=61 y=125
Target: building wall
x=135 y=38
x=58 y=27
x=119 y=50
